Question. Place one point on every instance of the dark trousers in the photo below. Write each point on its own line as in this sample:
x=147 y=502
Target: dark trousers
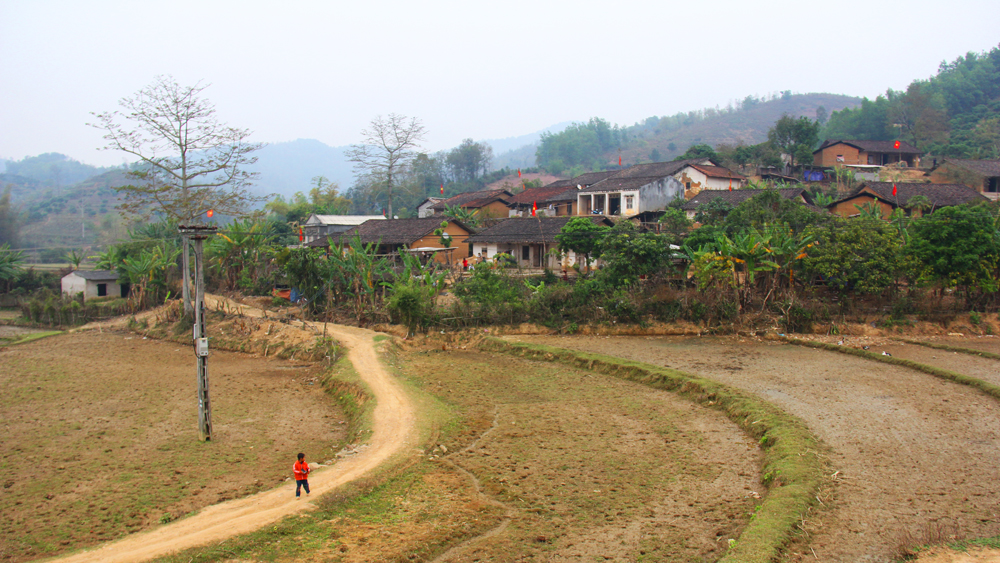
x=299 y=483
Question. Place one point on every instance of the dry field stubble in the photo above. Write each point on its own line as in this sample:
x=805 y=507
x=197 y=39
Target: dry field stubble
x=910 y=449
x=589 y=466
x=99 y=436
x=532 y=461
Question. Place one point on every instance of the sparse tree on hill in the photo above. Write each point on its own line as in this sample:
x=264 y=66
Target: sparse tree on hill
x=188 y=161
x=388 y=146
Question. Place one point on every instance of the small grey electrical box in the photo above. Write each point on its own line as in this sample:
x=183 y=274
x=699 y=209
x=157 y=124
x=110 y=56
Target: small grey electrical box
x=201 y=347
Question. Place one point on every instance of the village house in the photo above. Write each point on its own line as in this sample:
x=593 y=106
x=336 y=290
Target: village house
x=528 y=240
x=873 y=153
x=94 y=283
x=426 y=207
x=880 y=194
x=489 y=204
x=407 y=235
x=736 y=197
x=980 y=175
x=699 y=177
x=636 y=189
x=321 y=226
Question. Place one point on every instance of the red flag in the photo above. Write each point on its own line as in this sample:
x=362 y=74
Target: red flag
x=895 y=145
x=210 y=212
x=518 y=172
x=442 y=188
x=300 y=234
x=619 y=160
x=730 y=183
x=534 y=209
x=894 y=189
x=383 y=212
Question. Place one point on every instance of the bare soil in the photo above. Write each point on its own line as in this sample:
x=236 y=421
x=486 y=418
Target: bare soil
x=100 y=437
x=909 y=449
x=591 y=467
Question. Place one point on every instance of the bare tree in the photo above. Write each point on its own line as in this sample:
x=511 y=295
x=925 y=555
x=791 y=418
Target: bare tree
x=188 y=161
x=388 y=147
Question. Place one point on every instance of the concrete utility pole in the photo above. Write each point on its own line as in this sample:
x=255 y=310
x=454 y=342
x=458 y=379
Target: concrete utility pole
x=198 y=234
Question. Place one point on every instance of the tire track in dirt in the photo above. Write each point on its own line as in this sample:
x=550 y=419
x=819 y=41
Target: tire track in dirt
x=459 y=549
x=393 y=432
x=912 y=450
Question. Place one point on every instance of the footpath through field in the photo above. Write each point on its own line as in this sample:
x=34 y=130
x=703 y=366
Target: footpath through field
x=393 y=432
x=916 y=456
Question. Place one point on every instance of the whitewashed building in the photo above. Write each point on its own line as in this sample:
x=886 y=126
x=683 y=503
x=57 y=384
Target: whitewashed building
x=94 y=283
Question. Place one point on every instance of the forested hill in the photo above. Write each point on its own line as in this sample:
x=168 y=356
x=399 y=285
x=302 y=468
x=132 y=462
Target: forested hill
x=954 y=113
x=592 y=145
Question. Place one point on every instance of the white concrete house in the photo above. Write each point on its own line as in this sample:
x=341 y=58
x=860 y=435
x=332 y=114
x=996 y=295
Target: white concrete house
x=322 y=226
x=94 y=283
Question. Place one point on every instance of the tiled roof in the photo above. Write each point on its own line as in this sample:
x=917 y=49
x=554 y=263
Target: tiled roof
x=616 y=184
x=96 y=275
x=874 y=146
x=941 y=195
x=528 y=229
x=473 y=200
x=545 y=193
x=717 y=172
x=341 y=219
x=988 y=168
x=737 y=197
x=394 y=231
x=660 y=169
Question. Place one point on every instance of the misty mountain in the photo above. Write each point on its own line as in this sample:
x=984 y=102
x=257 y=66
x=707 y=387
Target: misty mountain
x=519 y=152
x=286 y=168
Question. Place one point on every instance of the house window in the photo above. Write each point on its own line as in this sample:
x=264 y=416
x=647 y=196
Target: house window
x=687 y=185
x=840 y=158
x=629 y=201
x=102 y=290
x=525 y=252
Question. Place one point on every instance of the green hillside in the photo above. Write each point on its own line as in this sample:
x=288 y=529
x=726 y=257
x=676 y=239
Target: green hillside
x=597 y=143
x=954 y=113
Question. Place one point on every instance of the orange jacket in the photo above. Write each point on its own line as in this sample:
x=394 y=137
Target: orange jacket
x=301 y=470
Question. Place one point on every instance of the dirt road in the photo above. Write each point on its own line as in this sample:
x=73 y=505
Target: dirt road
x=393 y=433
x=915 y=454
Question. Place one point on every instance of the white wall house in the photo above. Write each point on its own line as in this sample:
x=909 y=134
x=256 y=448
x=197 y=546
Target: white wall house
x=628 y=196
x=322 y=226
x=93 y=283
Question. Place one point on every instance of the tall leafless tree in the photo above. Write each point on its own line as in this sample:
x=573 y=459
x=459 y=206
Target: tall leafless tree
x=188 y=162
x=389 y=145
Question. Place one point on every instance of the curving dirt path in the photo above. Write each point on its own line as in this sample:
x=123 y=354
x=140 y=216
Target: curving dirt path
x=393 y=432
x=913 y=452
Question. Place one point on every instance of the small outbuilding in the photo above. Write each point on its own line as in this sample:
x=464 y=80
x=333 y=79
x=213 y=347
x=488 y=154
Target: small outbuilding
x=94 y=283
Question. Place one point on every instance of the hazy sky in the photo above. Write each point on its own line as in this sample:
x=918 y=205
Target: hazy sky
x=323 y=70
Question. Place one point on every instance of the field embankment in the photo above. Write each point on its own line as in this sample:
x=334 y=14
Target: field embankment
x=909 y=449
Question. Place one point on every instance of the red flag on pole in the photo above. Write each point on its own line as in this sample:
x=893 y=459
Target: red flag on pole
x=442 y=188
x=518 y=172
x=894 y=189
x=301 y=237
x=210 y=212
x=619 y=160
x=730 y=183
x=534 y=209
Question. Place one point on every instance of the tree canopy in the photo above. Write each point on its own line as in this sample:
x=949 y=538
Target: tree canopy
x=189 y=162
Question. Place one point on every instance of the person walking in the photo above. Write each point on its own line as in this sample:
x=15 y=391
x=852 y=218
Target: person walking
x=301 y=470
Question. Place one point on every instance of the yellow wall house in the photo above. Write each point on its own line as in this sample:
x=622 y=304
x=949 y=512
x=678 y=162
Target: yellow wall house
x=880 y=194
x=408 y=235
x=874 y=153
